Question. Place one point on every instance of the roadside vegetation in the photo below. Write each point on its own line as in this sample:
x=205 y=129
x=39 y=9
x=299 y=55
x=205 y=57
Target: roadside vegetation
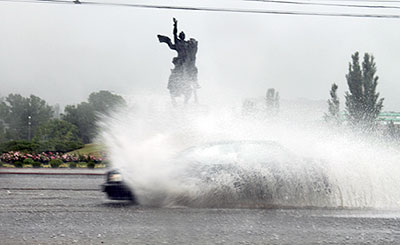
x=35 y=134
x=76 y=159
x=362 y=111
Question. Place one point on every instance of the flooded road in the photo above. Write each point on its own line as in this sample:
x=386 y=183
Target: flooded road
x=62 y=209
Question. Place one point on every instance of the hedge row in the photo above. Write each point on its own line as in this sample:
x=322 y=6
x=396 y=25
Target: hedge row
x=44 y=158
x=33 y=146
x=55 y=163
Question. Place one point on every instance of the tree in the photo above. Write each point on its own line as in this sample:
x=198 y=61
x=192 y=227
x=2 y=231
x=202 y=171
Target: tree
x=272 y=101
x=249 y=107
x=104 y=102
x=86 y=114
x=24 y=115
x=3 y=136
x=362 y=104
x=333 y=115
x=58 y=135
x=84 y=118
x=392 y=131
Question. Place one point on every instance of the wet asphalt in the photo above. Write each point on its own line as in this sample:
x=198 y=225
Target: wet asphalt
x=71 y=209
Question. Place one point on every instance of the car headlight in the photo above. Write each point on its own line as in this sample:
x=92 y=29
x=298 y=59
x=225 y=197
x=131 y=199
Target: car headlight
x=115 y=177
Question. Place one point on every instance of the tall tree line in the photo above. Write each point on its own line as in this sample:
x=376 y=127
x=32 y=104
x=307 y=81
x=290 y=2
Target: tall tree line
x=31 y=118
x=362 y=102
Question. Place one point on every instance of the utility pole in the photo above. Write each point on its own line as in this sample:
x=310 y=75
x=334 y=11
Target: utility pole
x=29 y=127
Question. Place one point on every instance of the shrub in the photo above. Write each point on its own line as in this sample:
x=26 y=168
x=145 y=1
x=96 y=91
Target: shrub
x=18 y=145
x=18 y=164
x=91 y=164
x=82 y=158
x=55 y=163
x=82 y=164
x=1 y=164
x=36 y=164
x=28 y=161
x=72 y=164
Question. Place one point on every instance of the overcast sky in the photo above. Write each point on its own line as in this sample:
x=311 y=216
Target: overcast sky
x=63 y=52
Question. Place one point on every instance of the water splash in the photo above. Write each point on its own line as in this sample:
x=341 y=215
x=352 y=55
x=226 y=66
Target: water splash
x=216 y=157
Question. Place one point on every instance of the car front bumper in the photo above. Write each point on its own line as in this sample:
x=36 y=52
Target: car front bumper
x=118 y=191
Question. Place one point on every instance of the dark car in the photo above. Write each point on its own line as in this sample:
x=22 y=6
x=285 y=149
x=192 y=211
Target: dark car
x=116 y=188
x=239 y=174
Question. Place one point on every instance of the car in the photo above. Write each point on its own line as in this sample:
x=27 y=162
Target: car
x=235 y=174
x=116 y=188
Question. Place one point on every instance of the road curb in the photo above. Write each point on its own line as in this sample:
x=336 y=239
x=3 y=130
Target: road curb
x=52 y=171
x=46 y=189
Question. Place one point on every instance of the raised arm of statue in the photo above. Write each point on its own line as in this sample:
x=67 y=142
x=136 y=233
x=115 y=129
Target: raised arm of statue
x=175 y=32
x=167 y=40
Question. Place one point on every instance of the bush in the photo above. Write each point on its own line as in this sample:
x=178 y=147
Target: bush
x=28 y=161
x=82 y=164
x=72 y=164
x=91 y=164
x=82 y=158
x=39 y=146
x=55 y=163
x=18 y=145
x=1 y=164
x=36 y=164
x=18 y=164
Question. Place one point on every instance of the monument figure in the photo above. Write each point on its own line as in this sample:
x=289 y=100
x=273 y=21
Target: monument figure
x=183 y=78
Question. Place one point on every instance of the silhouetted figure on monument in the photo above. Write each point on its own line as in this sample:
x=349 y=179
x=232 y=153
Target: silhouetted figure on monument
x=183 y=78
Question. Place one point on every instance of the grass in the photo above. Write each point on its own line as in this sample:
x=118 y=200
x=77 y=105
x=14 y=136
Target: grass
x=100 y=165
x=89 y=149
x=81 y=165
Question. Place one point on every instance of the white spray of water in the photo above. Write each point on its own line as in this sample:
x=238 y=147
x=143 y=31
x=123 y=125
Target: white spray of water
x=246 y=162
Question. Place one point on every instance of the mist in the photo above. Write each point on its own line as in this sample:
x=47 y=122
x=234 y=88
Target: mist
x=63 y=52
x=215 y=156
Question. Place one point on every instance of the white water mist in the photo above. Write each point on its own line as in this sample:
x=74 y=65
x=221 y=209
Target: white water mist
x=299 y=164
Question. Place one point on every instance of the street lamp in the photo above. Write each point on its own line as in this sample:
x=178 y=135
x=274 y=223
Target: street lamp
x=29 y=128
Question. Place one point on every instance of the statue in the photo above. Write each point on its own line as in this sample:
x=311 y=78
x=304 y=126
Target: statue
x=183 y=78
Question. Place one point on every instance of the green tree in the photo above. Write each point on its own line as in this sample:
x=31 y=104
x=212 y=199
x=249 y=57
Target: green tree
x=104 y=102
x=362 y=103
x=86 y=114
x=58 y=135
x=333 y=115
x=84 y=118
x=24 y=115
x=3 y=136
